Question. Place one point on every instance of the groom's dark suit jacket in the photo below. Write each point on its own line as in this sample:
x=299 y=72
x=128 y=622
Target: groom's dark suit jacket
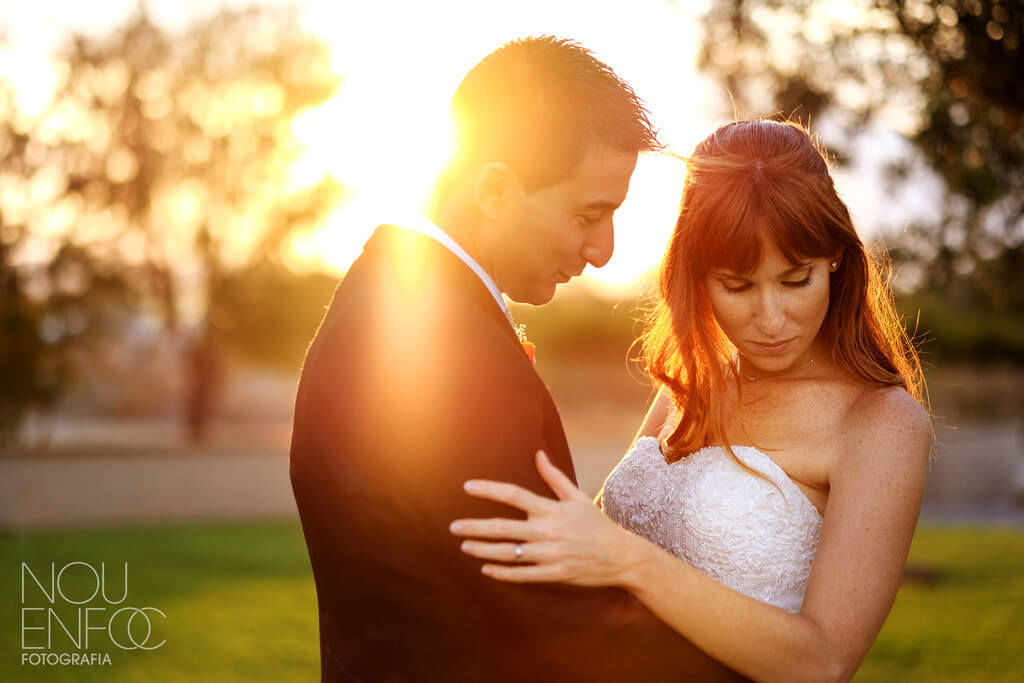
x=416 y=382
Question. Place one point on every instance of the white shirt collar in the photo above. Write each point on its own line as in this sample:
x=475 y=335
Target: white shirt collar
x=425 y=226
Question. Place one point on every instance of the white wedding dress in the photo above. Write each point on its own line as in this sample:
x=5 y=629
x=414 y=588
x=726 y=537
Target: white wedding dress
x=757 y=537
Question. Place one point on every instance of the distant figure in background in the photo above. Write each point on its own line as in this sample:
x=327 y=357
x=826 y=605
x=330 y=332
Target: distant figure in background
x=767 y=506
x=417 y=380
x=204 y=368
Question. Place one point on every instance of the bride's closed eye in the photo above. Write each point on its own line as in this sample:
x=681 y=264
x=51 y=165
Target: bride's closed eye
x=734 y=284
x=737 y=288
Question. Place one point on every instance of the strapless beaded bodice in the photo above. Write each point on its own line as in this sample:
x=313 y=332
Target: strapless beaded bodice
x=755 y=536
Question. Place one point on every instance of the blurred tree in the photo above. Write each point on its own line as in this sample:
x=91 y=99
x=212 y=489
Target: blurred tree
x=293 y=313
x=27 y=365
x=163 y=164
x=948 y=73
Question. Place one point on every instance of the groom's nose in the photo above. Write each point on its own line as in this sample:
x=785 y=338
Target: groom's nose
x=599 y=244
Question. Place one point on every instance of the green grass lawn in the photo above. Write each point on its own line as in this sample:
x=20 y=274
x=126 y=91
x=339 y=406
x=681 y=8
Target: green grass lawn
x=968 y=626
x=241 y=606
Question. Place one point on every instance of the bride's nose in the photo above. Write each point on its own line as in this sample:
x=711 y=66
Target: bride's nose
x=770 y=317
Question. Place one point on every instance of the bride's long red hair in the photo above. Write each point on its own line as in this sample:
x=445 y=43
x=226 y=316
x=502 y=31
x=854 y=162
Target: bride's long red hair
x=748 y=182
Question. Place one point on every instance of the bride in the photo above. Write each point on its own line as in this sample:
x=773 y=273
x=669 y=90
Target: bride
x=766 y=508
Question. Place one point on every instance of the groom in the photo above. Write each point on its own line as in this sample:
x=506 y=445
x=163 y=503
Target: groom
x=416 y=381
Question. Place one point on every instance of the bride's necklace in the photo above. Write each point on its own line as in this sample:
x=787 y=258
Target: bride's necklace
x=752 y=378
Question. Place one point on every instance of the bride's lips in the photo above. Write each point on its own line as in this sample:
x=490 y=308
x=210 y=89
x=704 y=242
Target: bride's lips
x=773 y=349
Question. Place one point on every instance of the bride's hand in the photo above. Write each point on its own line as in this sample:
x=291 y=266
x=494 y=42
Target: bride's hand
x=568 y=540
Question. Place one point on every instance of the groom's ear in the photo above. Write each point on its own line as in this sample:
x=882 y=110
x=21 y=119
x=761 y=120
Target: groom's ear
x=496 y=186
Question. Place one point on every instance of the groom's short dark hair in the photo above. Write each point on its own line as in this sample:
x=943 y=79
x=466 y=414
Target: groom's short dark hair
x=537 y=103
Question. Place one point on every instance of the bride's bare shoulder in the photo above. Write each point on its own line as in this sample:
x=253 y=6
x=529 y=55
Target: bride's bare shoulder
x=888 y=415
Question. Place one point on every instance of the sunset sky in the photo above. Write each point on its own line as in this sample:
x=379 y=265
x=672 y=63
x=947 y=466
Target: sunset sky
x=385 y=132
x=387 y=129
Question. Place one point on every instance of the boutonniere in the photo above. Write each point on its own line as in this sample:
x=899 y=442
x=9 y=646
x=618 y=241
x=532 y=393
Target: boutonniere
x=528 y=347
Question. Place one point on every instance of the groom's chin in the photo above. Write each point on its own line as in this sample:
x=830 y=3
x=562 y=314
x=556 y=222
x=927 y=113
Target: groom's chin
x=536 y=295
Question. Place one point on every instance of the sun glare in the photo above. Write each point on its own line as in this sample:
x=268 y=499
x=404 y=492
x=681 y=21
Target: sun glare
x=386 y=133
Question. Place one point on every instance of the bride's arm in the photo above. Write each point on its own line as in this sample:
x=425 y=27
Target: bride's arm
x=875 y=497
x=657 y=415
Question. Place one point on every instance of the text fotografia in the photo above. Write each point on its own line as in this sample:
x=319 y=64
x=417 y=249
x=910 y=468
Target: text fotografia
x=68 y=609
x=65 y=658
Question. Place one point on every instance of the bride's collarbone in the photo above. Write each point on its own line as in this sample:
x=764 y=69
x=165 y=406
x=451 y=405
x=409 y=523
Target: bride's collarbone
x=799 y=407
x=819 y=391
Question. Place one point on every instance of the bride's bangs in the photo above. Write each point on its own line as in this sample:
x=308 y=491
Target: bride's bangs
x=799 y=226
x=735 y=245
x=723 y=231
x=735 y=239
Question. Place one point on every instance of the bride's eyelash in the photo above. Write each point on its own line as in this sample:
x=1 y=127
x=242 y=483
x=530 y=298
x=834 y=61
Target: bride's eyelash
x=797 y=283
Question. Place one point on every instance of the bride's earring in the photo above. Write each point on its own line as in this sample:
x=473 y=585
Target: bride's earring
x=834 y=266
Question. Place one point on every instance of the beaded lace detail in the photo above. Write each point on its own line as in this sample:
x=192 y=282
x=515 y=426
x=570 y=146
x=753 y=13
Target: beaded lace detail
x=734 y=526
